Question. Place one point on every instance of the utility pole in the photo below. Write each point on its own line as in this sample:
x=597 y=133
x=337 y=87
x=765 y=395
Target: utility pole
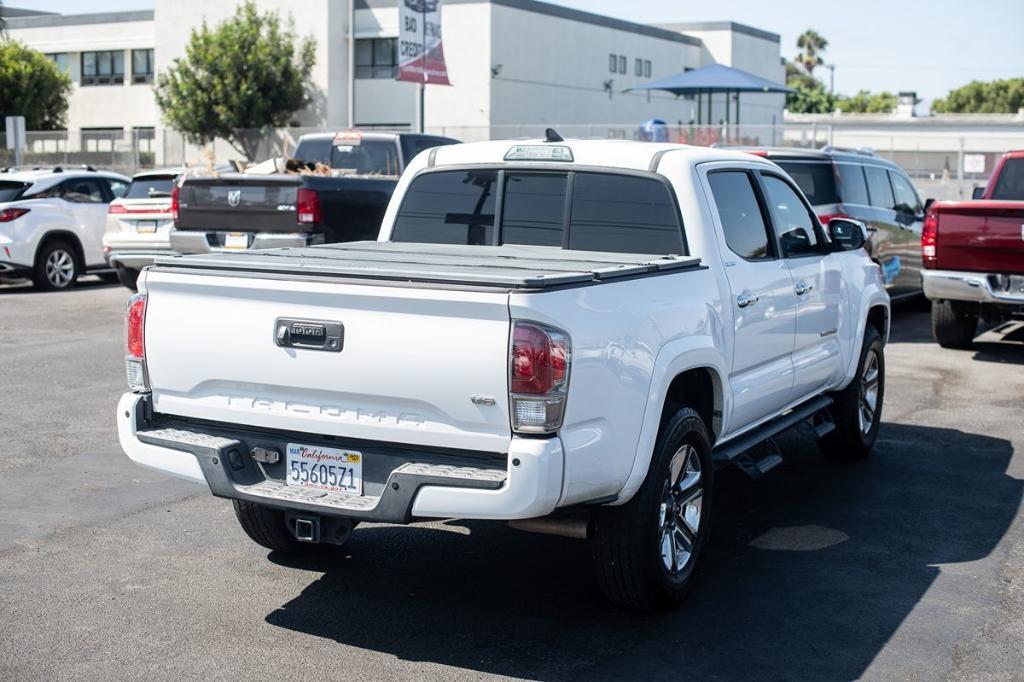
x=831 y=78
x=351 y=64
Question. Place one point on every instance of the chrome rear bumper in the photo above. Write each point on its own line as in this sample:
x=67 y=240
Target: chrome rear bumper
x=188 y=241
x=976 y=287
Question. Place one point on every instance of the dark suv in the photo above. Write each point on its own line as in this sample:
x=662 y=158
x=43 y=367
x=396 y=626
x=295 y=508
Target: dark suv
x=843 y=183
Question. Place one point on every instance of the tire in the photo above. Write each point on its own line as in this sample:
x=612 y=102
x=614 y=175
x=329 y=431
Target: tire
x=266 y=526
x=856 y=415
x=57 y=266
x=109 y=277
x=128 y=277
x=630 y=548
x=953 y=324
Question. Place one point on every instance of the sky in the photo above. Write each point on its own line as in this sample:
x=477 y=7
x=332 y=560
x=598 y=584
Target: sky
x=925 y=46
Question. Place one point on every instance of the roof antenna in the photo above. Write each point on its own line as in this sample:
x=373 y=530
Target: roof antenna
x=550 y=135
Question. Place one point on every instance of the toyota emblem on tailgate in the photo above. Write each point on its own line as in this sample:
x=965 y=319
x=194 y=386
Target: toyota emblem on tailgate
x=234 y=197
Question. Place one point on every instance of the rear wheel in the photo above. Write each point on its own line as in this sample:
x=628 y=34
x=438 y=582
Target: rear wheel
x=56 y=266
x=646 y=552
x=266 y=526
x=857 y=409
x=128 y=277
x=953 y=324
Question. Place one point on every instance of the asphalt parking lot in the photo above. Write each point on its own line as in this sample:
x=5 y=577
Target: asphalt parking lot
x=907 y=565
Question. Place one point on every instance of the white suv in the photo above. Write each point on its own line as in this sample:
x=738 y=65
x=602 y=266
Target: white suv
x=52 y=222
x=139 y=224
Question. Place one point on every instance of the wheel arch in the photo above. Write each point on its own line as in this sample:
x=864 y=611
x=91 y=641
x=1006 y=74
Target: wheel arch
x=61 y=235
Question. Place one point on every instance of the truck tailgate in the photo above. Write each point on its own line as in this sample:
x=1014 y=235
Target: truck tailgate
x=411 y=358
x=237 y=202
x=981 y=236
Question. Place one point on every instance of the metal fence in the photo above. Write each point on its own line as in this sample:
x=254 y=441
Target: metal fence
x=943 y=165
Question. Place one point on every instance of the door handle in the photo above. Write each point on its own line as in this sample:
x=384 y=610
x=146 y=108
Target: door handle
x=802 y=288
x=745 y=299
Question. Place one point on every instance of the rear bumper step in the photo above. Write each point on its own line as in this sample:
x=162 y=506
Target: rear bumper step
x=400 y=482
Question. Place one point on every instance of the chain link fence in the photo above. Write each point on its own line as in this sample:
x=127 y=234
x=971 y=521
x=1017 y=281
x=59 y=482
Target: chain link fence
x=943 y=165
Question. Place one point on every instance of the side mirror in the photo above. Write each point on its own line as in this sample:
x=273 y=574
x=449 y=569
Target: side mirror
x=847 y=234
x=978 y=193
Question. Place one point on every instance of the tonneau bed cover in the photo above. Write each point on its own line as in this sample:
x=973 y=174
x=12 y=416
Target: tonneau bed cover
x=516 y=267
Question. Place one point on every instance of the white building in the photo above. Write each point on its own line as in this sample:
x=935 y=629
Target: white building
x=512 y=63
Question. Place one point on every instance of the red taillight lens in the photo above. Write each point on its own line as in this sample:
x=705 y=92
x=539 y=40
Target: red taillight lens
x=117 y=208
x=174 y=203
x=9 y=214
x=824 y=218
x=538 y=360
x=136 y=319
x=930 y=239
x=308 y=206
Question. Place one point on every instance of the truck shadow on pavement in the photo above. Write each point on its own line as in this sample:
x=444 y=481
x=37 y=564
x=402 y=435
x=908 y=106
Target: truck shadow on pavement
x=808 y=575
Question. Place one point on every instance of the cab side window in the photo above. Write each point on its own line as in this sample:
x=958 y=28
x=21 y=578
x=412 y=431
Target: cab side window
x=743 y=222
x=879 y=189
x=796 y=228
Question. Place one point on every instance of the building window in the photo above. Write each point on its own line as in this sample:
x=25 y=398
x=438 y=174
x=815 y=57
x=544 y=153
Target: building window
x=101 y=139
x=613 y=63
x=647 y=68
x=103 y=68
x=376 y=58
x=142 y=66
x=638 y=67
x=145 y=139
x=622 y=63
x=62 y=61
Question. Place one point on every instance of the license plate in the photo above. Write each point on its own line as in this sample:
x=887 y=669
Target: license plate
x=145 y=226
x=236 y=240
x=334 y=469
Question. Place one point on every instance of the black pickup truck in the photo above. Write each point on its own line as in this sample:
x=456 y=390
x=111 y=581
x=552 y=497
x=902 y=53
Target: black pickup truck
x=238 y=211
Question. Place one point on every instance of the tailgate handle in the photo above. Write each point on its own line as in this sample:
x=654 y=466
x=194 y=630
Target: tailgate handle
x=309 y=334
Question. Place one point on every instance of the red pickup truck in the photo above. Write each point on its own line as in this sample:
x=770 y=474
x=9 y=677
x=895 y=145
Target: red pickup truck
x=973 y=255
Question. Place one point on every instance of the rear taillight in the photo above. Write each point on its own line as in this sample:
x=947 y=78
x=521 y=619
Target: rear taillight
x=116 y=208
x=174 y=203
x=135 y=346
x=9 y=214
x=824 y=218
x=930 y=239
x=539 y=365
x=308 y=206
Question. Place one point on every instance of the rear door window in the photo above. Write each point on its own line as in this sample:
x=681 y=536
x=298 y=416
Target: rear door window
x=449 y=207
x=853 y=188
x=623 y=214
x=906 y=198
x=879 y=189
x=816 y=180
x=743 y=223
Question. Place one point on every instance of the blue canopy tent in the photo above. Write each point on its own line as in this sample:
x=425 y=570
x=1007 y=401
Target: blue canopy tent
x=711 y=79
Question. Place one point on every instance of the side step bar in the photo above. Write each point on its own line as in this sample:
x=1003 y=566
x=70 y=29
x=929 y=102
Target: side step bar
x=731 y=450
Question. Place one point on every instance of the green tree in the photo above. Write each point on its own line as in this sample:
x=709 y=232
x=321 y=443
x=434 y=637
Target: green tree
x=32 y=86
x=865 y=102
x=977 y=97
x=811 y=45
x=247 y=73
x=810 y=96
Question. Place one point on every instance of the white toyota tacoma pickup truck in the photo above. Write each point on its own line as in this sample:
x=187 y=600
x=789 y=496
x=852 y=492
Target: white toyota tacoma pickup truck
x=568 y=335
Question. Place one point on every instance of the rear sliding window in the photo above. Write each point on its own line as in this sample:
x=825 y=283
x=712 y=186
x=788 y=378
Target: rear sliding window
x=11 y=190
x=588 y=211
x=151 y=187
x=816 y=180
x=1010 y=183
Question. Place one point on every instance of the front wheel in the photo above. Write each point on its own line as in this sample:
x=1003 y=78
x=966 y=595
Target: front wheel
x=645 y=553
x=857 y=409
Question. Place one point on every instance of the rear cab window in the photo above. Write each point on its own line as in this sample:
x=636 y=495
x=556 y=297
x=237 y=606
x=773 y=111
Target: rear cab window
x=150 y=187
x=816 y=179
x=581 y=210
x=355 y=154
x=1010 y=183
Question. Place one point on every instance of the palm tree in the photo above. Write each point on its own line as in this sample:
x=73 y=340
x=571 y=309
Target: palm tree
x=811 y=45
